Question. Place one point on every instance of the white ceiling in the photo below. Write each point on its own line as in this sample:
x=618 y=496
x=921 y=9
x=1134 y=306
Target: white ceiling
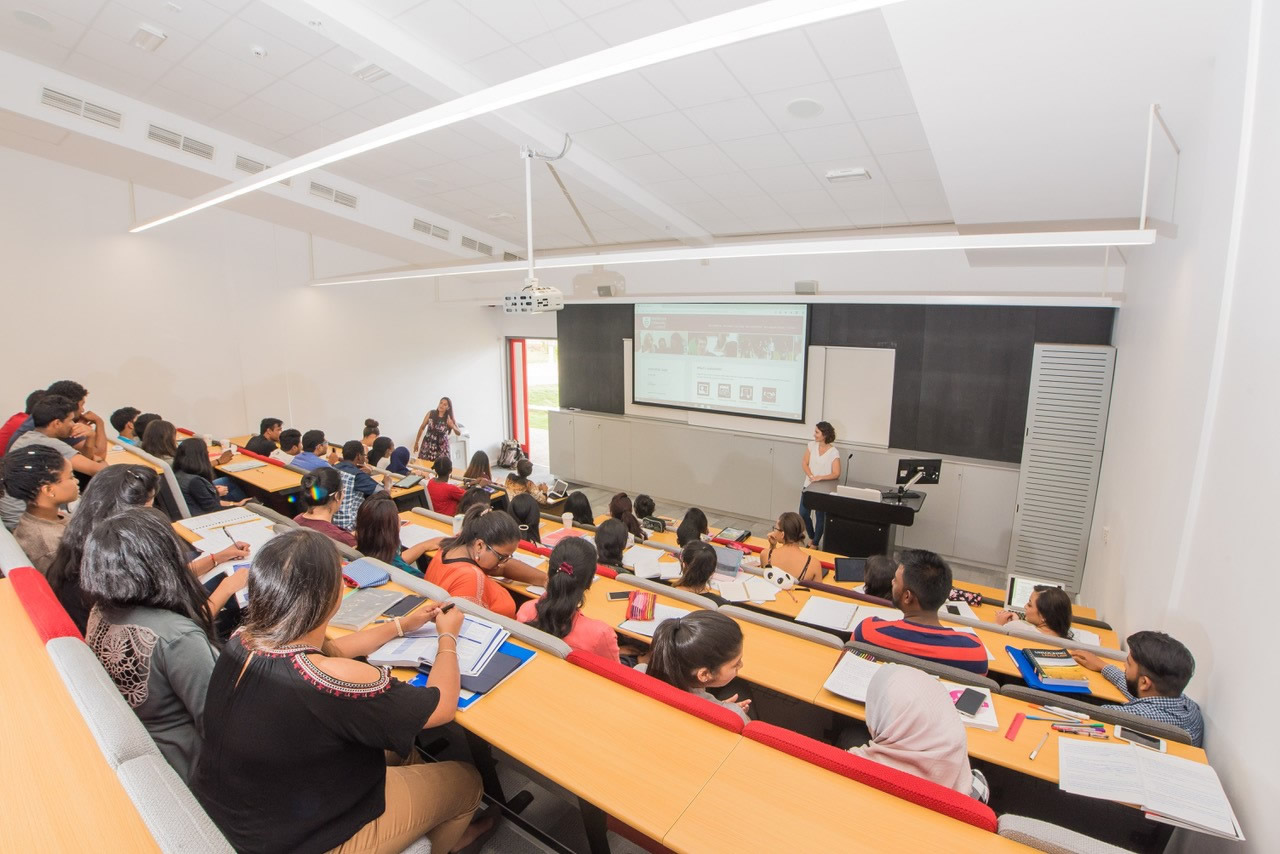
x=709 y=135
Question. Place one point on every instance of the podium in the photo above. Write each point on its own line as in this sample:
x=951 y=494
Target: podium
x=859 y=528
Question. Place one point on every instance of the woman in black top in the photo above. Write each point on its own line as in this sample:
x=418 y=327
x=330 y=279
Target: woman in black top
x=195 y=477
x=693 y=527
x=697 y=565
x=296 y=730
x=611 y=542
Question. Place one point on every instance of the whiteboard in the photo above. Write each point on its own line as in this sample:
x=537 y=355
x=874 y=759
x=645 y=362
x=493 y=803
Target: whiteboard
x=857 y=393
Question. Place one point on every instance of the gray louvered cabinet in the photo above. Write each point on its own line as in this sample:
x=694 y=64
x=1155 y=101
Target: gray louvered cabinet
x=1061 y=457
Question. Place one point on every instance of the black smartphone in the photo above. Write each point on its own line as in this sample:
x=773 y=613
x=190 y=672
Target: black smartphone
x=953 y=610
x=970 y=702
x=404 y=606
x=851 y=569
x=617 y=595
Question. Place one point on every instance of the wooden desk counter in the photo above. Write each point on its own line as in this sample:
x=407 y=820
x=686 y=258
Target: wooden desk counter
x=756 y=802
x=117 y=455
x=57 y=792
x=266 y=477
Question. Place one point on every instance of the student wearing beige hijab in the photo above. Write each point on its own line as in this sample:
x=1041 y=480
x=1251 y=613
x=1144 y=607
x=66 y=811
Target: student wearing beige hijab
x=915 y=728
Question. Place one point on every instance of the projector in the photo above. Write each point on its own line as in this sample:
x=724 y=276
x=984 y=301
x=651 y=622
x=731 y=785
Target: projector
x=534 y=299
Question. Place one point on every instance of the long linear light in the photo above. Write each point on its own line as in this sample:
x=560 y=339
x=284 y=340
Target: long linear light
x=729 y=28
x=846 y=246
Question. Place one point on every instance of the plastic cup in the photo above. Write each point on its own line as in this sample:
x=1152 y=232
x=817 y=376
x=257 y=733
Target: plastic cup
x=567 y=520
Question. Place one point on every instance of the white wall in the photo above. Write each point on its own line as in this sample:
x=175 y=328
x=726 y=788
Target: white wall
x=208 y=320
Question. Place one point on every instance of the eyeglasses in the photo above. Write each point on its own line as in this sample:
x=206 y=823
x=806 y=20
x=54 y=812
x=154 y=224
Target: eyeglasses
x=502 y=558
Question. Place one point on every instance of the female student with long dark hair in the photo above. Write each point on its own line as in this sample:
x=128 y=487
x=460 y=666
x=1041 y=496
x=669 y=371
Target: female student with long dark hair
x=378 y=535
x=151 y=628
x=697 y=565
x=466 y=564
x=45 y=480
x=432 y=440
x=518 y=482
x=195 y=477
x=297 y=731
x=620 y=509
x=1048 y=611
x=696 y=652
x=571 y=568
x=692 y=527
x=380 y=451
x=478 y=470
x=321 y=495
x=160 y=440
x=579 y=507
x=611 y=542
x=528 y=516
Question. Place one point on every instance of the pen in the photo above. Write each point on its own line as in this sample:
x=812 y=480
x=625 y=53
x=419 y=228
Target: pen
x=1066 y=713
x=1036 y=752
x=1072 y=721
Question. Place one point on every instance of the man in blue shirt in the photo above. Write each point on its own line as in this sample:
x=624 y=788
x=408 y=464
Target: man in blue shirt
x=1156 y=672
x=314 y=451
x=122 y=421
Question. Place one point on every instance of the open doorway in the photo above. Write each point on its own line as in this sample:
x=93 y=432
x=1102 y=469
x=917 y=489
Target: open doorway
x=535 y=389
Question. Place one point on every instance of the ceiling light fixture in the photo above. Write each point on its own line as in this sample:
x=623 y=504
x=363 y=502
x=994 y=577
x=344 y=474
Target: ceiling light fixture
x=258 y=51
x=371 y=73
x=31 y=19
x=148 y=38
x=782 y=249
x=500 y=216
x=760 y=19
x=842 y=176
x=805 y=108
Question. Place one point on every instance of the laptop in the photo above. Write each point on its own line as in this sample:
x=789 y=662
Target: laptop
x=558 y=490
x=1019 y=590
x=727 y=559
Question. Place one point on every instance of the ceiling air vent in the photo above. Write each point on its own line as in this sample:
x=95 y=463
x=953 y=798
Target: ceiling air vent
x=253 y=167
x=472 y=243
x=173 y=139
x=427 y=228
x=337 y=196
x=344 y=198
x=198 y=148
x=75 y=106
x=511 y=256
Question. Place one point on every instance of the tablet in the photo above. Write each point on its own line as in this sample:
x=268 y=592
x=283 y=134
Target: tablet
x=851 y=569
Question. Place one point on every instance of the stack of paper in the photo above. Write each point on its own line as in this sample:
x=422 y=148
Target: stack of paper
x=647 y=563
x=761 y=589
x=852 y=676
x=1085 y=636
x=734 y=591
x=230 y=516
x=1169 y=789
x=986 y=716
x=661 y=613
x=478 y=640
x=256 y=534
x=411 y=535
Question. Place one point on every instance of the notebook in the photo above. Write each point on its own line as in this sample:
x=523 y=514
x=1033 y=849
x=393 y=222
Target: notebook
x=841 y=615
x=478 y=640
x=647 y=563
x=359 y=608
x=986 y=717
x=1028 y=673
x=411 y=535
x=852 y=675
x=661 y=613
x=230 y=516
x=232 y=468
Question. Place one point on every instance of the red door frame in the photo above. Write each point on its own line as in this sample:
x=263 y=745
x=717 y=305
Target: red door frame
x=518 y=369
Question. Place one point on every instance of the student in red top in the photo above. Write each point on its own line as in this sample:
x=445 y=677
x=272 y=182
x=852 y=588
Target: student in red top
x=444 y=495
x=920 y=587
x=16 y=420
x=466 y=564
x=322 y=496
x=559 y=611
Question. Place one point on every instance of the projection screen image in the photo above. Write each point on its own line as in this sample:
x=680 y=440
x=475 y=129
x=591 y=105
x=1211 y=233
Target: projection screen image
x=745 y=359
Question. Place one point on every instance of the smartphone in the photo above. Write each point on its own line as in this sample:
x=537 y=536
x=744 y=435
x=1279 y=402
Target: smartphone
x=1150 y=742
x=953 y=610
x=404 y=606
x=970 y=702
x=617 y=595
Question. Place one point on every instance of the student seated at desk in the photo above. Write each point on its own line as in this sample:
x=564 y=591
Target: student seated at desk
x=915 y=728
x=578 y=506
x=140 y=424
x=322 y=496
x=620 y=509
x=195 y=478
x=53 y=420
x=88 y=433
x=160 y=440
x=524 y=509
x=473 y=497
x=15 y=421
x=466 y=564
x=43 y=479
x=151 y=628
x=877 y=578
x=478 y=471
x=1155 y=674
x=445 y=494
x=571 y=568
x=786 y=552
x=697 y=565
x=314 y=452
x=290 y=446
x=380 y=452
x=355 y=463
x=370 y=433
x=123 y=421
x=692 y=527
x=399 y=461
x=378 y=535
x=920 y=587
x=518 y=482
x=697 y=652
x=1048 y=611
x=611 y=542
x=297 y=732
x=269 y=430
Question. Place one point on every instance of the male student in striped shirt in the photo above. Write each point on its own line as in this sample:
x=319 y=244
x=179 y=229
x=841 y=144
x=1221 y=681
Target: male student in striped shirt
x=920 y=587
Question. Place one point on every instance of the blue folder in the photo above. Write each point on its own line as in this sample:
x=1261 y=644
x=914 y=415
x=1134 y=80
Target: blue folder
x=502 y=660
x=1033 y=681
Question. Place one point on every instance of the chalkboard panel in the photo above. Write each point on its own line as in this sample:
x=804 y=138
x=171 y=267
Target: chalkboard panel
x=961 y=373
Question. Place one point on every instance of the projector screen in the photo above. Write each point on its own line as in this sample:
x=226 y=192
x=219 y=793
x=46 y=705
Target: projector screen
x=746 y=359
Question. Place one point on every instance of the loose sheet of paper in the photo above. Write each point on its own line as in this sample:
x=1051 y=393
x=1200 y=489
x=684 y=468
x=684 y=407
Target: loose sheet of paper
x=833 y=614
x=411 y=535
x=1185 y=790
x=642 y=561
x=851 y=677
x=1108 y=771
x=256 y=534
x=760 y=589
x=734 y=591
x=534 y=561
x=661 y=613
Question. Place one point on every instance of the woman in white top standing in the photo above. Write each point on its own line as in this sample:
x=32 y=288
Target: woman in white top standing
x=821 y=474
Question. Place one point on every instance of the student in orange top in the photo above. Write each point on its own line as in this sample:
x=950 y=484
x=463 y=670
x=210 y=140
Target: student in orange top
x=467 y=564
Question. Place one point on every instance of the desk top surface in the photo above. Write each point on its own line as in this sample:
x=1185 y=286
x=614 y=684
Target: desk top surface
x=57 y=792
x=117 y=455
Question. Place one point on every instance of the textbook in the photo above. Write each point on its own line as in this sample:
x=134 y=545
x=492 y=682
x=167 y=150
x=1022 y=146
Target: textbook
x=737 y=535
x=1055 y=667
x=1029 y=675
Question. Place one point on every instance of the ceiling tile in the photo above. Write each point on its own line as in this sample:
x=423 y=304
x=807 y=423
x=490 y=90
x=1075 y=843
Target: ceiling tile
x=201 y=88
x=68 y=24
x=517 y=20
x=612 y=142
x=868 y=203
x=857 y=44
x=694 y=80
x=735 y=119
x=713 y=216
x=560 y=45
x=306 y=140
x=390 y=8
x=382 y=109
x=832 y=218
x=237 y=39
x=775 y=106
x=276 y=119
x=120 y=23
x=819 y=168
x=909 y=166
x=781 y=179
x=805 y=201
x=666 y=132
x=760 y=152
x=679 y=190
x=634 y=20
x=466 y=199
x=298 y=101
x=591 y=7
x=647 y=168
x=502 y=65
x=139 y=64
x=216 y=65
x=569 y=111
x=701 y=160
x=109 y=76
x=238 y=125
x=731 y=185
x=773 y=62
x=923 y=201
x=37 y=50
x=196 y=20
x=449 y=142
x=347 y=123
x=182 y=104
x=448 y=27
x=696 y=10
x=876 y=95
x=325 y=81
x=71 y=11
x=414 y=99
x=828 y=143
x=894 y=134
x=626 y=97
x=310 y=40
x=763 y=214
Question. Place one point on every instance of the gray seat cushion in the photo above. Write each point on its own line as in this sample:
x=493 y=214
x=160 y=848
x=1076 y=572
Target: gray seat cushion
x=119 y=733
x=172 y=814
x=1043 y=836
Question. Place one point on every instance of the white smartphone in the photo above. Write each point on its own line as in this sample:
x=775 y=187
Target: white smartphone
x=1150 y=742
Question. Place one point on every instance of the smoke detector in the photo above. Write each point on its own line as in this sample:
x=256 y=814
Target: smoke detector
x=148 y=38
